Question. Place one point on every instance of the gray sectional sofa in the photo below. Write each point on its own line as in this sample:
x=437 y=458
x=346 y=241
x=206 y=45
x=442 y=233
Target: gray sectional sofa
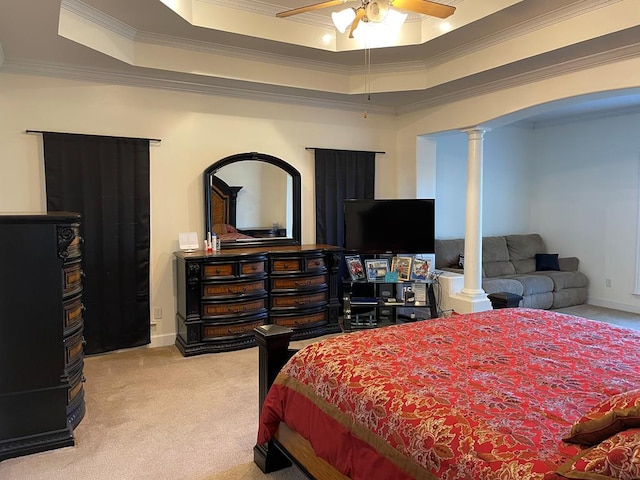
x=509 y=265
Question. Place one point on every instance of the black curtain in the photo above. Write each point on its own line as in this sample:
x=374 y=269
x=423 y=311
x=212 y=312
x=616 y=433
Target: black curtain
x=106 y=180
x=340 y=174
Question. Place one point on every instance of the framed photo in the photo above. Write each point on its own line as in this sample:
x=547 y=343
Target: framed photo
x=377 y=269
x=421 y=266
x=354 y=265
x=402 y=265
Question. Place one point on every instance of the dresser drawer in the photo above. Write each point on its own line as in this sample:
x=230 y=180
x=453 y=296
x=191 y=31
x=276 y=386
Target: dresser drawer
x=71 y=279
x=299 y=300
x=240 y=307
x=73 y=349
x=316 y=263
x=76 y=384
x=286 y=265
x=298 y=282
x=72 y=313
x=210 y=332
x=234 y=289
x=300 y=320
x=252 y=268
x=218 y=270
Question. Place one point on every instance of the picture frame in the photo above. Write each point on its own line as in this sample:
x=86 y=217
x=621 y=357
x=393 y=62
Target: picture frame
x=402 y=265
x=377 y=269
x=422 y=266
x=354 y=265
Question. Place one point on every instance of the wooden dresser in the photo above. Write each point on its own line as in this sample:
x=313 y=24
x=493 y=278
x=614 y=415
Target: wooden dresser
x=223 y=296
x=41 y=343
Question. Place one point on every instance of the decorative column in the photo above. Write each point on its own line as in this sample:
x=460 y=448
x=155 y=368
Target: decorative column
x=472 y=298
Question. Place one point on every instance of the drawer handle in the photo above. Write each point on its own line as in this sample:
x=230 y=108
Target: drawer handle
x=286 y=265
x=316 y=263
x=80 y=239
x=82 y=274
x=304 y=283
x=84 y=342
x=254 y=267
x=302 y=302
x=83 y=379
x=237 y=290
x=82 y=307
x=217 y=271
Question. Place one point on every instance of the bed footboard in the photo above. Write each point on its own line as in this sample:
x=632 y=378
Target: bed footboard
x=273 y=353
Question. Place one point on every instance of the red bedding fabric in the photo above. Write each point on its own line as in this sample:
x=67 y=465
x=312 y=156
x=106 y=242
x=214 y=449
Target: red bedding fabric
x=479 y=396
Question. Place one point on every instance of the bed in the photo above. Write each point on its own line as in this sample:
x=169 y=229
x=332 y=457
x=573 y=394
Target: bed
x=224 y=199
x=504 y=394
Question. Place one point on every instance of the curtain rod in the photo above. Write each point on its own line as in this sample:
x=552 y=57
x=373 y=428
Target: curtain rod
x=156 y=140
x=339 y=150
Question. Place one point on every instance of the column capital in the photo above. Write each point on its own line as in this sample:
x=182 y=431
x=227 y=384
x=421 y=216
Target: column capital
x=475 y=132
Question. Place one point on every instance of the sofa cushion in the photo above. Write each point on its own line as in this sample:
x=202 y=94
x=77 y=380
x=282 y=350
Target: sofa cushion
x=523 y=249
x=447 y=252
x=495 y=257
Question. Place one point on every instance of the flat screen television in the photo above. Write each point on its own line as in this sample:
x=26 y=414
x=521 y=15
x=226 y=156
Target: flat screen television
x=390 y=226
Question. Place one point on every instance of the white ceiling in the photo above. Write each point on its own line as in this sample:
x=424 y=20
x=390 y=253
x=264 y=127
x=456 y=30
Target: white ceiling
x=239 y=48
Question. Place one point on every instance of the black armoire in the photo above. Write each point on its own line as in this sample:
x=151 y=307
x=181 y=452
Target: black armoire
x=41 y=342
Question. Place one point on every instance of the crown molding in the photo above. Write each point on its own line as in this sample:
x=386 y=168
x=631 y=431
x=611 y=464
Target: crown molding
x=238 y=52
x=94 y=15
x=496 y=38
x=110 y=77
x=571 y=66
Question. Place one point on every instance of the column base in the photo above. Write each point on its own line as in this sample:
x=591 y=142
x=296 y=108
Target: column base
x=465 y=303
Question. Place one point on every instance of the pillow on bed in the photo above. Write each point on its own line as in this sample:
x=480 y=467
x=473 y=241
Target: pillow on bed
x=615 y=458
x=222 y=228
x=547 y=261
x=607 y=418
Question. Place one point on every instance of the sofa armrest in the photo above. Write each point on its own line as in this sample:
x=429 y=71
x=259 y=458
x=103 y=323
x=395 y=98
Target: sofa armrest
x=568 y=264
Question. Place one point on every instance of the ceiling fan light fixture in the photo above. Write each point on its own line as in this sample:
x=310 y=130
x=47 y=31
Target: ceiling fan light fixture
x=395 y=19
x=377 y=10
x=343 y=19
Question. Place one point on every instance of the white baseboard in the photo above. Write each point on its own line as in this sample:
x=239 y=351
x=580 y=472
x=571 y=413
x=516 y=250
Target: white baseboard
x=625 y=307
x=162 y=340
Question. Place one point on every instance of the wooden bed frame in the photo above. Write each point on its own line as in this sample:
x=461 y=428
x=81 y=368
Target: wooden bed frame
x=288 y=447
x=224 y=200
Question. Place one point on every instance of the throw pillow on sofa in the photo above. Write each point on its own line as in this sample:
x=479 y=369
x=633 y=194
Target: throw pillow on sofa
x=547 y=261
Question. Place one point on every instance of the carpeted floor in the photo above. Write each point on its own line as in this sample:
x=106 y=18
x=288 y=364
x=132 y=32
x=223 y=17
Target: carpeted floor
x=153 y=414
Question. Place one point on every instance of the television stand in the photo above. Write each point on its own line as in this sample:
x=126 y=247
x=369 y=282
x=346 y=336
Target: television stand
x=368 y=304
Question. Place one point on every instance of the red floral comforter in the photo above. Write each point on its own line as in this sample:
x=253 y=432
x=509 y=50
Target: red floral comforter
x=479 y=396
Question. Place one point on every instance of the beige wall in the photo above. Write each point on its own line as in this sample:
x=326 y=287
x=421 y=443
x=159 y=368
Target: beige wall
x=196 y=130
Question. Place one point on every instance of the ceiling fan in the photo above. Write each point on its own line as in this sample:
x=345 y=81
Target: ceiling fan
x=375 y=10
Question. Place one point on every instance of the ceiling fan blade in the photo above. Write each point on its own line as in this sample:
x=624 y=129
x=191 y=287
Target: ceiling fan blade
x=359 y=14
x=433 y=9
x=309 y=8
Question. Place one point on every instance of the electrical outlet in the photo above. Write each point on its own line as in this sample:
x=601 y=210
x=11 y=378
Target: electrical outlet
x=157 y=313
x=607 y=282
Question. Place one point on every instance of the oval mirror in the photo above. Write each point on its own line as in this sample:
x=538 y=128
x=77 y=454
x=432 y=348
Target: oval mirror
x=253 y=199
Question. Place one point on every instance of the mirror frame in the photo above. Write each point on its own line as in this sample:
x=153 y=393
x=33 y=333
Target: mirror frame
x=296 y=237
